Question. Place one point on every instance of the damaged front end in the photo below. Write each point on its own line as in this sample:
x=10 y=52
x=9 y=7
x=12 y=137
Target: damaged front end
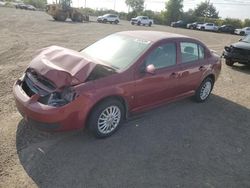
x=48 y=94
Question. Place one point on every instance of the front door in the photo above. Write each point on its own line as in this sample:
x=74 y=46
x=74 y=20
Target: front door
x=153 y=89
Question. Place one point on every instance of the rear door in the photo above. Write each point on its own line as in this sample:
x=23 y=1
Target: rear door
x=193 y=65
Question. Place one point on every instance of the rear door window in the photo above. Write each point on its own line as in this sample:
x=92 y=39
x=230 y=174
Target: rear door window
x=189 y=52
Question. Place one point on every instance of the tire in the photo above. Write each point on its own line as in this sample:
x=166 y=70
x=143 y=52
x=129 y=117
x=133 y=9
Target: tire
x=139 y=23
x=204 y=90
x=116 y=21
x=104 y=112
x=132 y=23
x=229 y=62
x=61 y=17
x=104 y=21
x=150 y=23
x=202 y=28
x=242 y=33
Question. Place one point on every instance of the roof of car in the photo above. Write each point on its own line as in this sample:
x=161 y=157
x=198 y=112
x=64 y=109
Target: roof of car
x=152 y=35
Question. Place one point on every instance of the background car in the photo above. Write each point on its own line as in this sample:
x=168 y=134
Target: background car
x=243 y=31
x=208 y=27
x=30 y=7
x=119 y=75
x=238 y=52
x=179 y=23
x=111 y=18
x=141 y=20
x=226 y=29
x=21 y=6
x=194 y=25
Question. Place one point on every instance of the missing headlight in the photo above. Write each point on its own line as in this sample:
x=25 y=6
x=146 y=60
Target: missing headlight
x=58 y=99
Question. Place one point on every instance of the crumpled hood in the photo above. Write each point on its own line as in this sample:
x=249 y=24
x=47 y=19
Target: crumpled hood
x=62 y=66
x=242 y=45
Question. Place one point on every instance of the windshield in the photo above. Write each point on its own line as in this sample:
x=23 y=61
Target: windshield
x=117 y=51
x=246 y=39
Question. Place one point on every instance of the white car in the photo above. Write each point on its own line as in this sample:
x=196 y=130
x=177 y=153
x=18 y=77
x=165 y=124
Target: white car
x=243 y=31
x=111 y=18
x=142 y=20
x=208 y=27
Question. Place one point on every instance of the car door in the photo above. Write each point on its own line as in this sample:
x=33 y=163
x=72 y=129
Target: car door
x=193 y=65
x=152 y=89
x=144 y=20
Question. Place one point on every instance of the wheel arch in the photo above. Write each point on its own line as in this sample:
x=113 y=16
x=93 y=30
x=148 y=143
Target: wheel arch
x=212 y=76
x=119 y=98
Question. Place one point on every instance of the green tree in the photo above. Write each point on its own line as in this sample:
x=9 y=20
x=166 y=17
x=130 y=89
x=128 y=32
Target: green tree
x=247 y=23
x=136 y=5
x=207 y=10
x=36 y=3
x=173 y=10
x=233 y=22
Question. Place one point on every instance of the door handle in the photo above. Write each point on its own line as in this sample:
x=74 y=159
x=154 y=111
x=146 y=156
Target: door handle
x=174 y=75
x=202 y=68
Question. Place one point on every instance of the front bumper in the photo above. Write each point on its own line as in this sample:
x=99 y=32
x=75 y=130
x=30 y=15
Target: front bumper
x=68 y=117
x=236 y=57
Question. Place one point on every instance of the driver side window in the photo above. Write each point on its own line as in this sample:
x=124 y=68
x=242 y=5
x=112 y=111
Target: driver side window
x=162 y=56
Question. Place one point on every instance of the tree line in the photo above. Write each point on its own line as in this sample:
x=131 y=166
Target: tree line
x=203 y=12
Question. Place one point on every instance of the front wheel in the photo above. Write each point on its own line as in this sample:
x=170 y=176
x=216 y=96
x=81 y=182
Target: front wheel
x=203 y=92
x=139 y=23
x=242 y=33
x=116 y=21
x=106 y=118
x=150 y=23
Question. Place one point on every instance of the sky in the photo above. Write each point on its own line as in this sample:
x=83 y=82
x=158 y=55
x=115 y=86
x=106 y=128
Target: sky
x=227 y=8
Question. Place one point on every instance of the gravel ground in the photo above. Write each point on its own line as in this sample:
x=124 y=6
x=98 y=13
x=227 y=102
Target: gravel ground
x=182 y=144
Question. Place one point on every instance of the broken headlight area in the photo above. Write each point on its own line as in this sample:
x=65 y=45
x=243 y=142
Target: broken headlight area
x=58 y=99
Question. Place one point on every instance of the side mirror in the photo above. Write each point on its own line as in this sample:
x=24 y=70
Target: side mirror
x=150 y=69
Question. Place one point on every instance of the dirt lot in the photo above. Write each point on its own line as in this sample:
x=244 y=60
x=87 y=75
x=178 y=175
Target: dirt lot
x=182 y=144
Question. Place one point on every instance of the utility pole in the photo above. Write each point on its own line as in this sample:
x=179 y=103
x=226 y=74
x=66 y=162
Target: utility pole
x=114 y=4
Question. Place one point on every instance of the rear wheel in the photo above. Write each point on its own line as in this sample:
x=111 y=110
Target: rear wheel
x=106 y=118
x=116 y=21
x=104 y=21
x=150 y=23
x=203 y=92
x=242 y=33
x=229 y=62
x=139 y=23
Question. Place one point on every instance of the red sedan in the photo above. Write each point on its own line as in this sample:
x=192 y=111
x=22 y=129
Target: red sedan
x=121 y=74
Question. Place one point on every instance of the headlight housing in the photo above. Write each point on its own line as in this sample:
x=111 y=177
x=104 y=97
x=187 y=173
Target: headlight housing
x=58 y=99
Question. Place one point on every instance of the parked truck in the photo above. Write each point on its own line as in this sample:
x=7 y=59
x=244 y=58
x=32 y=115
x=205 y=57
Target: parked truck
x=142 y=20
x=208 y=27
